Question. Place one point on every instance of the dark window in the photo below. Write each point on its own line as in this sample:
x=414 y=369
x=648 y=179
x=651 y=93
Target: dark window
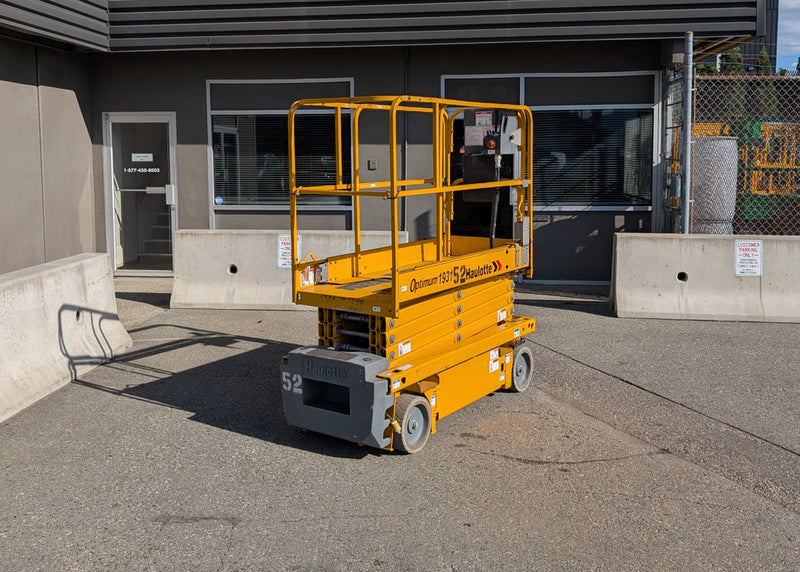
x=490 y=90
x=593 y=157
x=607 y=90
x=251 y=165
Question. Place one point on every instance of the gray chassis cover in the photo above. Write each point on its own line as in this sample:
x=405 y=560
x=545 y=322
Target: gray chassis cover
x=365 y=420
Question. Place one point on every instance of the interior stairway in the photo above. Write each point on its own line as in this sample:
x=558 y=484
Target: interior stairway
x=157 y=252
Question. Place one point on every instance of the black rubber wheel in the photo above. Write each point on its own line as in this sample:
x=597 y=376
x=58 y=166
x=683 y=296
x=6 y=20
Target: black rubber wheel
x=413 y=413
x=522 y=368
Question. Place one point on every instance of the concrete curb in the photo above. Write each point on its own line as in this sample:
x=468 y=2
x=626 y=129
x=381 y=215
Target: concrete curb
x=245 y=270
x=707 y=277
x=60 y=320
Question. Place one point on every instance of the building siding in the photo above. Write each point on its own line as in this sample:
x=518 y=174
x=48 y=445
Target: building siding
x=73 y=22
x=207 y=24
x=769 y=41
x=46 y=164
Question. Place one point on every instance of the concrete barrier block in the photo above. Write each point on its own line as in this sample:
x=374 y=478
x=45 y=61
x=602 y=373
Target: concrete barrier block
x=694 y=277
x=59 y=321
x=238 y=269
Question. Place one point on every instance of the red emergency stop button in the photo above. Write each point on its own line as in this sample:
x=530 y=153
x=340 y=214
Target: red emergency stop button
x=491 y=143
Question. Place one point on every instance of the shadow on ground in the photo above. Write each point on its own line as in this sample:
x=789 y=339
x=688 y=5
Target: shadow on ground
x=157 y=299
x=596 y=307
x=591 y=291
x=241 y=393
x=600 y=307
x=577 y=298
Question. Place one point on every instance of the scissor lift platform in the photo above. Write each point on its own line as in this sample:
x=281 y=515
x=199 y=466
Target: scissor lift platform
x=411 y=332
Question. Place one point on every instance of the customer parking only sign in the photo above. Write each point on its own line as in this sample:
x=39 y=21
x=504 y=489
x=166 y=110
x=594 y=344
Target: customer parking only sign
x=748 y=258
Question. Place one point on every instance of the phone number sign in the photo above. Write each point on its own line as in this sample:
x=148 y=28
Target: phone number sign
x=748 y=257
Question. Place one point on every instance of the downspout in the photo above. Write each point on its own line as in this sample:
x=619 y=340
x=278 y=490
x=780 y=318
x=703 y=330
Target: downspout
x=688 y=73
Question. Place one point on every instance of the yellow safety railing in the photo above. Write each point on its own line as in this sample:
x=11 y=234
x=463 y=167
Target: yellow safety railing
x=442 y=113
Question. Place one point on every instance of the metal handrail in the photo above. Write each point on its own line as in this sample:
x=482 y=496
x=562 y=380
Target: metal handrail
x=438 y=184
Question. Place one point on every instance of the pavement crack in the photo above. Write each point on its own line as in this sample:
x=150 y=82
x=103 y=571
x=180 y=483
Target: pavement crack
x=347 y=517
x=544 y=462
x=167 y=519
x=669 y=399
x=223 y=561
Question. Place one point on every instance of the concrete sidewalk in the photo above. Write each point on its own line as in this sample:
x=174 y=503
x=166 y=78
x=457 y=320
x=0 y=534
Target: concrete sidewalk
x=645 y=444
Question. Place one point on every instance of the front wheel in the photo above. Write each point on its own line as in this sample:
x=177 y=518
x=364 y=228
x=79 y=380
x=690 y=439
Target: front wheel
x=413 y=413
x=522 y=370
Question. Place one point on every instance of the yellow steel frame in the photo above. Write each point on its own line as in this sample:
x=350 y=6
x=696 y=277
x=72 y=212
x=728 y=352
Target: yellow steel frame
x=455 y=293
x=380 y=281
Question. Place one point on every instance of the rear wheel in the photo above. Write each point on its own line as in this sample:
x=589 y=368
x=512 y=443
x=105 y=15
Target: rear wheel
x=413 y=413
x=522 y=370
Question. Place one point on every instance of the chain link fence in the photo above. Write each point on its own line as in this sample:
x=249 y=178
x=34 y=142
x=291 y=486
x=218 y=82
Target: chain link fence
x=746 y=155
x=673 y=148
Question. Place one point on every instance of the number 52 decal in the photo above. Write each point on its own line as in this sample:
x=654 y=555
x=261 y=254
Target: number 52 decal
x=292 y=382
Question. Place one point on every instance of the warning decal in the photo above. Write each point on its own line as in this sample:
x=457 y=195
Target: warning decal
x=494 y=360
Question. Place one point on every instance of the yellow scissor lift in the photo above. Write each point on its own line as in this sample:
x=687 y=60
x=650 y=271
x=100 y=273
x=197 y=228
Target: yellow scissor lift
x=411 y=332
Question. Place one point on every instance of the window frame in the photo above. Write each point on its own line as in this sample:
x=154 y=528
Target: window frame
x=655 y=107
x=210 y=112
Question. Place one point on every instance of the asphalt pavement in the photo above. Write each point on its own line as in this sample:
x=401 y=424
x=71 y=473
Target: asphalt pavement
x=644 y=444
